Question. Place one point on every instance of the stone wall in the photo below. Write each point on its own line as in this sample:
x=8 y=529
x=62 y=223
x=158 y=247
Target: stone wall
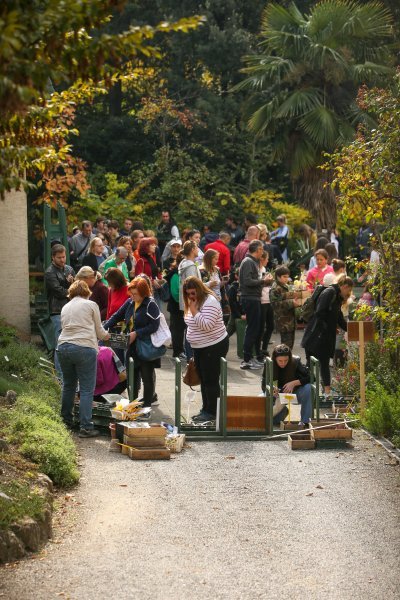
x=14 y=262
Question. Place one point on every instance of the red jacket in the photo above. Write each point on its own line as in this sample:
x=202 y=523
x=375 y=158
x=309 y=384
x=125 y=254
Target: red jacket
x=116 y=298
x=224 y=261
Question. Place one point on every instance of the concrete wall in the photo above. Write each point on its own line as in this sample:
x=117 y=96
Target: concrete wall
x=14 y=265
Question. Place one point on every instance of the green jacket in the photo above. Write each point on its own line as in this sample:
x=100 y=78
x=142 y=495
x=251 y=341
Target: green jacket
x=111 y=262
x=281 y=299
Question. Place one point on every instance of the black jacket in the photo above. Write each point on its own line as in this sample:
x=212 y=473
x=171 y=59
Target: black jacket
x=56 y=285
x=294 y=370
x=320 y=334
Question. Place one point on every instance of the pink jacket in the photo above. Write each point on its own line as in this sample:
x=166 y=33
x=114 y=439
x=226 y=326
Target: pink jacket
x=316 y=275
x=107 y=375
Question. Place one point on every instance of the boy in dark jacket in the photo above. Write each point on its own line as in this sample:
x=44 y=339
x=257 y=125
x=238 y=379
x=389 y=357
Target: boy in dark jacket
x=284 y=303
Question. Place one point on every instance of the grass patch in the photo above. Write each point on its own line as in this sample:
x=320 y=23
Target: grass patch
x=33 y=422
x=25 y=502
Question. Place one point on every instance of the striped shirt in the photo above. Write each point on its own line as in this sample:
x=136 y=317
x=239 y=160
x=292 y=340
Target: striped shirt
x=206 y=328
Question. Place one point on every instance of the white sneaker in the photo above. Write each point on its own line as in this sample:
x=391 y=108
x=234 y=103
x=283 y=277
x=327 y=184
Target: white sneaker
x=256 y=364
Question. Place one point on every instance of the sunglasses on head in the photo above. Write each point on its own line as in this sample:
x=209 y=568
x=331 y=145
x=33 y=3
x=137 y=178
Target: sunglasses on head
x=282 y=350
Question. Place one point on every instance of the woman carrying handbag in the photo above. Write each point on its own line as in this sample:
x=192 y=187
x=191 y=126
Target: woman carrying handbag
x=142 y=319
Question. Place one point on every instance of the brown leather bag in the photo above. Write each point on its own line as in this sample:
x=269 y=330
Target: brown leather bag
x=191 y=376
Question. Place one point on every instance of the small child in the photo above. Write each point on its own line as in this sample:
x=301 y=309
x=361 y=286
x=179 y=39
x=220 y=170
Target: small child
x=284 y=303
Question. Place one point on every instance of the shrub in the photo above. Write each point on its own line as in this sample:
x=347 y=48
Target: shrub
x=382 y=415
x=25 y=503
x=34 y=422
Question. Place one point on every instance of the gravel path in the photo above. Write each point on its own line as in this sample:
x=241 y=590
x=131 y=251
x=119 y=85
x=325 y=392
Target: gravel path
x=234 y=520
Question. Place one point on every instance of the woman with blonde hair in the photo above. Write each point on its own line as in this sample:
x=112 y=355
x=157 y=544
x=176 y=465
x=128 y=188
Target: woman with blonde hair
x=208 y=338
x=77 y=354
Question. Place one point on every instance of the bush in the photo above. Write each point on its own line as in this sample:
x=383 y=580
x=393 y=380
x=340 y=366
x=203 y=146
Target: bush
x=34 y=422
x=382 y=415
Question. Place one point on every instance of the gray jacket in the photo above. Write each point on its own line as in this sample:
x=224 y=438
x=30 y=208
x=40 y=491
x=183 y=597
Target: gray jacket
x=186 y=269
x=250 y=283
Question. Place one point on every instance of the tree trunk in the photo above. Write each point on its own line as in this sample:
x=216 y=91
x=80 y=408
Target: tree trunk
x=115 y=99
x=14 y=269
x=314 y=192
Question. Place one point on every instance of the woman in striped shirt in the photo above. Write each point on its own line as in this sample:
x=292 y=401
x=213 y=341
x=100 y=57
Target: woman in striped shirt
x=208 y=337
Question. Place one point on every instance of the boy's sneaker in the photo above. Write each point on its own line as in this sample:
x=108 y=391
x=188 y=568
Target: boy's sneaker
x=252 y=364
x=245 y=365
x=88 y=433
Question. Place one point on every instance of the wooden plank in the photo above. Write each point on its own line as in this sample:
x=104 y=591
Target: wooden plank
x=334 y=431
x=145 y=442
x=245 y=413
x=149 y=453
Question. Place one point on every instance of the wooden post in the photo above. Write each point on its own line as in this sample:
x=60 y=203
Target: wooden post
x=361 y=342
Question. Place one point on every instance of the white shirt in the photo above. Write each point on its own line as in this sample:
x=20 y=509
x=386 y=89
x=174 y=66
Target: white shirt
x=81 y=323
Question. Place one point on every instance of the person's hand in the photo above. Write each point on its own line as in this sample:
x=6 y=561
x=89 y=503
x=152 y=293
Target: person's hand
x=132 y=337
x=276 y=392
x=289 y=387
x=107 y=337
x=297 y=302
x=193 y=306
x=212 y=284
x=70 y=278
x=156 y=284
x=243 y=317
x=268 y=277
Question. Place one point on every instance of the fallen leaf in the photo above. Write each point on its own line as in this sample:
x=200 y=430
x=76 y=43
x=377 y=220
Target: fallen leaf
x=230 y=457
x=123 y=485
x=319 y=487
x=310 y=494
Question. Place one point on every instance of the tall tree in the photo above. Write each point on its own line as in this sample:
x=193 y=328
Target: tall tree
x=304 y=85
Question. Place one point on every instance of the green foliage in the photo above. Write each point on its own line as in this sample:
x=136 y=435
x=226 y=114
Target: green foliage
x=25 y=503
x=47 y=43
x=7 y=333
x=367 y=178
x=33 y=422
x=382 y=415
x=304 y=81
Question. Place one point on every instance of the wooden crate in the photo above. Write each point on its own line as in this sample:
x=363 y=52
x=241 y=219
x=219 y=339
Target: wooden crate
x=290 y=425
x=145 y=442
x=149 y=453
x=336 y=430
x=152 y=431
x=245 y=413
x=301 y=441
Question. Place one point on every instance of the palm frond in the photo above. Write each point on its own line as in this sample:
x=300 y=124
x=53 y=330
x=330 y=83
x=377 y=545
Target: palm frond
x=321 y=125
x=370 y=20
x=303 y=156
x=299 y=102
x=277 y=18
x=262 y=117
x=370 y=72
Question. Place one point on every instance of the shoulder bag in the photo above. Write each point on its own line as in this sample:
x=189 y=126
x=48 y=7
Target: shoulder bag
x=191 y=376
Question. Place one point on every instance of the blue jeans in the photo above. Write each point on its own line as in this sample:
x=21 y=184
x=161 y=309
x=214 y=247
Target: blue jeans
x=303 y=394
x=78 y=363
x=56 y=320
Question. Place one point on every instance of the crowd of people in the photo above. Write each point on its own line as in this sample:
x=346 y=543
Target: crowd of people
x=208 y=282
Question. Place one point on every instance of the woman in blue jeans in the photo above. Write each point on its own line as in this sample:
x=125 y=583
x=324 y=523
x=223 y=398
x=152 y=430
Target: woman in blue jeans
x=77 y=354
x=293 y=378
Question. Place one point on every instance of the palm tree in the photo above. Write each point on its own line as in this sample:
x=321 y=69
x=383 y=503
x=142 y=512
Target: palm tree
x=304 y=87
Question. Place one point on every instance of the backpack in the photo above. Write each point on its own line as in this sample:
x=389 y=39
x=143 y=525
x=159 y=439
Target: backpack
x=307 y=310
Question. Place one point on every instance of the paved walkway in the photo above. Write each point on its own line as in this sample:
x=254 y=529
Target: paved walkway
x=224 y=520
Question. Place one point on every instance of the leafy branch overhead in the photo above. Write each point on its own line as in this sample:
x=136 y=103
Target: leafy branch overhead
x=50 y=43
